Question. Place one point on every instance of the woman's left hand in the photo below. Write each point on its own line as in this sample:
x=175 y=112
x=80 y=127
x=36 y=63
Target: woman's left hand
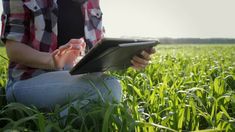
x=142 y=60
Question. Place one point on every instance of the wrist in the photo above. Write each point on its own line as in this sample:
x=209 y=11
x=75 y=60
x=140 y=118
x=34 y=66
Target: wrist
x=49 y=62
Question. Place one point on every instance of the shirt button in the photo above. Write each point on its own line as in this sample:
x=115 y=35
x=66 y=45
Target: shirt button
x=35 y=7
x=98 y=15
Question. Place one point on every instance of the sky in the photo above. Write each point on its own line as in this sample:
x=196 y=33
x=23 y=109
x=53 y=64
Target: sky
x=169 y=18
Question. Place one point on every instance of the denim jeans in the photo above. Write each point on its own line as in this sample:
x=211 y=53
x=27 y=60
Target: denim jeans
x=58 y=88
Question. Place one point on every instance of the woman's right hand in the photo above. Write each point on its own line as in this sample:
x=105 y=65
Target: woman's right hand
x=66 y=55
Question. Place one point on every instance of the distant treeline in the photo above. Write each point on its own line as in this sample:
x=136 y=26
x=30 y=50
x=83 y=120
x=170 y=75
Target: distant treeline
x=197 y=40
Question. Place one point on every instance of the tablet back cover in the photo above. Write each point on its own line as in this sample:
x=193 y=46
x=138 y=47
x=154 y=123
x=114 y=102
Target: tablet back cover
x=112 y=54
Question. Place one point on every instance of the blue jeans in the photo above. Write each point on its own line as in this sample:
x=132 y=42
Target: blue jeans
x=58 y=88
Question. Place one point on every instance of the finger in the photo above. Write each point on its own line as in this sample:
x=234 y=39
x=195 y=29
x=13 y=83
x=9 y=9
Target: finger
x=76 y=47
x=64 y=48
x=140 y=60
x=137 y=65
x=69 y=48
x=76 y=41
x=55 y=53
x=73 y=44
x=146 y=55
x=152 y=50
x=69 y=44
x=134 y=65
x=73 y=52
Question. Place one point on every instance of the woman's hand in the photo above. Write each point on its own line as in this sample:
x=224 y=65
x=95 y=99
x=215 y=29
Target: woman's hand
x=140 y=62
x=68 y=54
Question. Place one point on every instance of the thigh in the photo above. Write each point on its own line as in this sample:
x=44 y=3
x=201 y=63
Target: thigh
x=49 y=89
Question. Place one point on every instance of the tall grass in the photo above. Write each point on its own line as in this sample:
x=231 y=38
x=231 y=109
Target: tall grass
x=185 y=88
x=3 y=74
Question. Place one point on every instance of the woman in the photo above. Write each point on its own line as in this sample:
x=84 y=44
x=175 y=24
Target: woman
x=42 y=37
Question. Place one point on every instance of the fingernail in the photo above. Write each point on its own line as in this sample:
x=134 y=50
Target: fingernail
x=82 y=40
x=142 y=53
x=78 y=47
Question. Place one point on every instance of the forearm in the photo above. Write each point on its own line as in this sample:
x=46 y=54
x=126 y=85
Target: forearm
x=23 y=54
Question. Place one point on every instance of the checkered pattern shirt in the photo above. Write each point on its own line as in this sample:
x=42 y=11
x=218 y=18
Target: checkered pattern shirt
x=34 y=23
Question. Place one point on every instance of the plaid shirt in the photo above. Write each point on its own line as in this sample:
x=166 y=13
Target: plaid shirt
x=34 y=23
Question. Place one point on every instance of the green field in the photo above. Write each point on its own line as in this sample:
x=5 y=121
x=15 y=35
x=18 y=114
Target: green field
x=3 y=67
x=185 y=88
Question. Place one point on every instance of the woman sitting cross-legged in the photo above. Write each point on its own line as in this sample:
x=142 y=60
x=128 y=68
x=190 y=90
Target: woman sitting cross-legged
x=44 y=37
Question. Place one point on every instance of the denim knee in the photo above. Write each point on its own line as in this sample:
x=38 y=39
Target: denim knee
x=113 y=90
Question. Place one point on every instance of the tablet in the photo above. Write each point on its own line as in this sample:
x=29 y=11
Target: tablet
x=111 y=54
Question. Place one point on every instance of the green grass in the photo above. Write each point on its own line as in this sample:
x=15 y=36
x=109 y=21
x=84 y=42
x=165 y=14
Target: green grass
x=185 y=88
x=3 y=67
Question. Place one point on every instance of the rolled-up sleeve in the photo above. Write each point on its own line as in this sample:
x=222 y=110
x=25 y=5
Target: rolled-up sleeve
x=15 y=21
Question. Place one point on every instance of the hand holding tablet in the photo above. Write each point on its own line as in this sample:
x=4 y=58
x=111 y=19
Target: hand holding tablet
x=113 y=54
x=142 y=60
